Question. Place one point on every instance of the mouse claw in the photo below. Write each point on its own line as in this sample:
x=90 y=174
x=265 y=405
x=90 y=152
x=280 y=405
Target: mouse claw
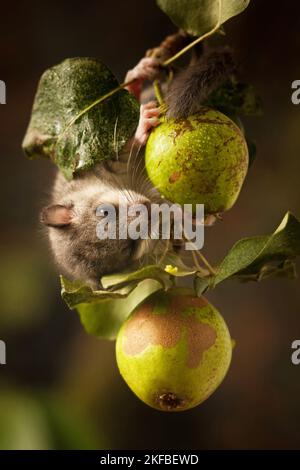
x=149 y=118
x=147 y=69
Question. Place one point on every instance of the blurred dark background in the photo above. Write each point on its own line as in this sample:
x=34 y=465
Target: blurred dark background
x=60 y=387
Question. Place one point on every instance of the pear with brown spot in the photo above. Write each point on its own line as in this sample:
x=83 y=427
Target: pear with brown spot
x=174 y=350
x=202 y=159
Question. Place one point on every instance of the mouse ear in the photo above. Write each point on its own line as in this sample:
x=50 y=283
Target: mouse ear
x=56 y=216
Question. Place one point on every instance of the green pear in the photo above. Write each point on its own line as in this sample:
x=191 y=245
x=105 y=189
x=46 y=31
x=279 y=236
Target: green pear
x=174 y=350
x=199 y=160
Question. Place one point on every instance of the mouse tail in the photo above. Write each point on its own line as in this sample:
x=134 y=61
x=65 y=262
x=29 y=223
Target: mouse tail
x=191 y=87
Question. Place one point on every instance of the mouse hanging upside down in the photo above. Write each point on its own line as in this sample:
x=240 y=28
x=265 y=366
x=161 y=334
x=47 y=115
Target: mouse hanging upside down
x=72 y=217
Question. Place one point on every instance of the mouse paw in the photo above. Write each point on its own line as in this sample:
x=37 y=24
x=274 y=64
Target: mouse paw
x=149 y=118
x=146 y=69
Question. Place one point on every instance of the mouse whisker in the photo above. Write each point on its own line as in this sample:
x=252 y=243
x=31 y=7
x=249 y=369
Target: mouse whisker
x=115 y=144
x=130 y=155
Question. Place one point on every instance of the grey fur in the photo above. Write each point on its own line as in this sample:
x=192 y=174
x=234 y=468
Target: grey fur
x=78 y=251
x=193 y=84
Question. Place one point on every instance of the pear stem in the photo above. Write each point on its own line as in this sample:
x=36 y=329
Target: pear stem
x=197 y=265
x=206 y=263
x=158 y=93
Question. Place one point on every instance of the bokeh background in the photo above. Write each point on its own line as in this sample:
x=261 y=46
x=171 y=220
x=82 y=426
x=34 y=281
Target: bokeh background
x=60 y=388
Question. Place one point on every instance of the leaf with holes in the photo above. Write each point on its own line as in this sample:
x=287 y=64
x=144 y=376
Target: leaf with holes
x=68 y=127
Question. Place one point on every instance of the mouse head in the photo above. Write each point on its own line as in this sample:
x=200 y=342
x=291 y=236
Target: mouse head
x=74 y=238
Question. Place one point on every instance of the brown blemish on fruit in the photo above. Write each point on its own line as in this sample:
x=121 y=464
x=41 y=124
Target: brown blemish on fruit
x=178 y=303
x=196 y=348
x=147 y=328
x=181 y=126
x=170 y=402
x=186 y=125
x=215 y=120
x=195 y=329
x=227 y=141
x=174 y=177
x=173 y=135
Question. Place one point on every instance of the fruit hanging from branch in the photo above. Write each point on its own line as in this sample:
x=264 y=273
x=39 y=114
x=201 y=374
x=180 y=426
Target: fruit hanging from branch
x=173 y=347
x=174 y=350
x=202 y=159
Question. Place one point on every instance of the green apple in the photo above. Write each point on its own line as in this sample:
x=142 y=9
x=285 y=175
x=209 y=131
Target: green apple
x=199 y=160
x=174 y=350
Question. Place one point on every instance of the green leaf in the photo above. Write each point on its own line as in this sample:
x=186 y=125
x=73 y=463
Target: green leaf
x=104 y=318
x=115 y=286
x=249 y=255
x=258 y=258
x=197 y=17
x=76 y=292
x=148 y=272
x=64 y=124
